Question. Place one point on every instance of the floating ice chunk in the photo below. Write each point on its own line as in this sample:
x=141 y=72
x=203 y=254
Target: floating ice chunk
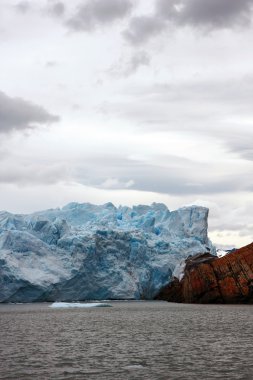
x=66 y=305
x=134 y=366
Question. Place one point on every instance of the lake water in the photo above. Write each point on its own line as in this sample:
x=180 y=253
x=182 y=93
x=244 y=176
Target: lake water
x=131 y=340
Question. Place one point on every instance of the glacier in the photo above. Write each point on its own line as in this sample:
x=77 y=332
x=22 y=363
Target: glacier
x=95 y=252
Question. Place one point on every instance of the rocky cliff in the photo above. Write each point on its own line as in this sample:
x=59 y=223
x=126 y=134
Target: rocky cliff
x=208 y=279
x=84 y=251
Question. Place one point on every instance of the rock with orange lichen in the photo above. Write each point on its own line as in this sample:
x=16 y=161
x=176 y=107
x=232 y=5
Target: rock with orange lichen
x=208 y=279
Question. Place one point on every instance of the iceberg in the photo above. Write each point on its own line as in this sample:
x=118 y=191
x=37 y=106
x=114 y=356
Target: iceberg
x=89 y=252
x=67 y=305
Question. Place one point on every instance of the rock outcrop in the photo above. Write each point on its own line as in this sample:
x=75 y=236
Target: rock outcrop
x=208 y=279
x=85 y=252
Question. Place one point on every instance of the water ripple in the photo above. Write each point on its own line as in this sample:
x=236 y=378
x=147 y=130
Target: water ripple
x=131 y=340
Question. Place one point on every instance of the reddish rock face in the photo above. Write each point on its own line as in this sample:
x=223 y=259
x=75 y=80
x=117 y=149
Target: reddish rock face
x=208 y=279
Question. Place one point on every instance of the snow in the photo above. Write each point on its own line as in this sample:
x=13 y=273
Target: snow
x=66 y=305
x=221 y=253
x=179 y=270
x=91 y=252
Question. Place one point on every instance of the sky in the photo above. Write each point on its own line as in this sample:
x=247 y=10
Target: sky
x=129 y=101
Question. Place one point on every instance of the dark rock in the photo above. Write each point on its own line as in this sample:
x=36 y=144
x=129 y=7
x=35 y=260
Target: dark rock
x=208 y=279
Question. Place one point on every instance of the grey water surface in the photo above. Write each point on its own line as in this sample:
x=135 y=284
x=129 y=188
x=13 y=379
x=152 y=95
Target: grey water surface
x=131 y=340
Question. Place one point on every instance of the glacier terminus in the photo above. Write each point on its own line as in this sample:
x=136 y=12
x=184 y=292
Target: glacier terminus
x=89 y=252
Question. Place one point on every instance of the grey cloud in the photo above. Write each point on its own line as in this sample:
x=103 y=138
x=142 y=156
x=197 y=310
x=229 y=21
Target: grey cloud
x=56 y=8
x=142 y=28
x=53 y=7
x=139 y=59
x=210 y=13
x=230 y=96
x=214 y=108
x=241 y=144
x=176 y=176
x=219 y=112
x=23 y=6
x=50 y=64
x=207 y=15
x=98 y=12
x=125 y=69
x=19 y=114
x=27 y=173
x=233 y=217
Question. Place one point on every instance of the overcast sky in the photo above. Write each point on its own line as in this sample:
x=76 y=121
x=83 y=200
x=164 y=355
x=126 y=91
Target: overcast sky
x=129 y=101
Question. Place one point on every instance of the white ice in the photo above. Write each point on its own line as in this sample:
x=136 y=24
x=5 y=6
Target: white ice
x=221 y=253
x=65 y=305
x=179 y=270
